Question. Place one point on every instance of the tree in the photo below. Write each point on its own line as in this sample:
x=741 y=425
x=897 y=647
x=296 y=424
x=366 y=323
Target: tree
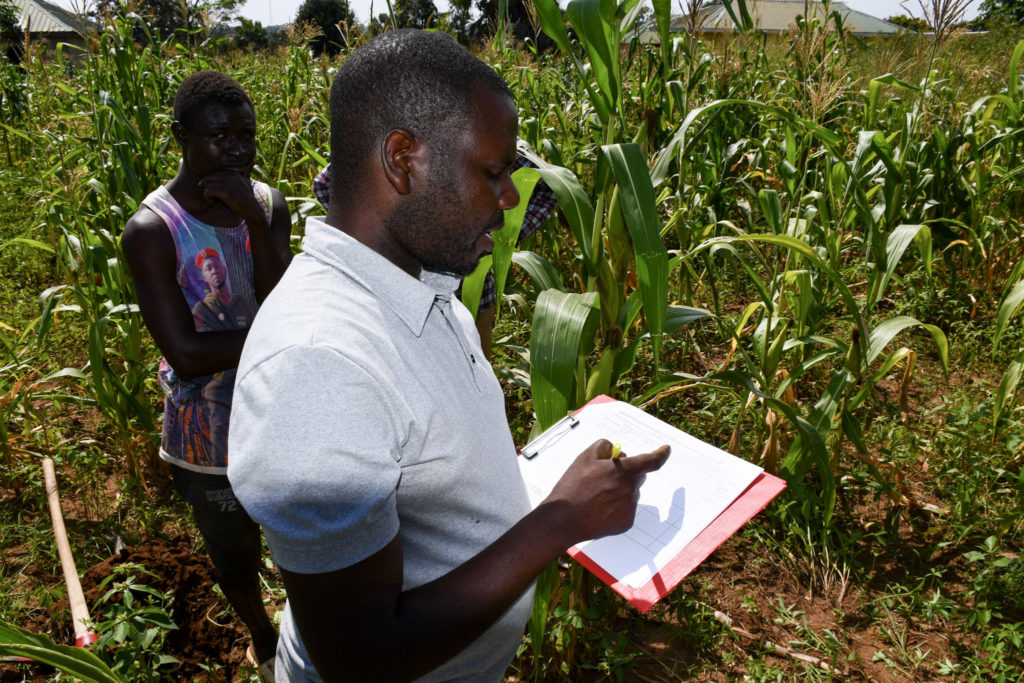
x=333 y=18
x=415 y=13
x=11 y=36
x=1006 y=10
x=520 y=18
x=169 y=16
x=8 y=20
x=250 y=35
x=408 y=14
x=911 y=23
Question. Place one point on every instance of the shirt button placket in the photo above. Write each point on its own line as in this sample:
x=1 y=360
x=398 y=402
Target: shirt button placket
x=445 y=306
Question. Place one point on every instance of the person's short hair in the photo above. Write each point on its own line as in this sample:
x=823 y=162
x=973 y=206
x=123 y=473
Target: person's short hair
x=422 y=82
x=203 y=87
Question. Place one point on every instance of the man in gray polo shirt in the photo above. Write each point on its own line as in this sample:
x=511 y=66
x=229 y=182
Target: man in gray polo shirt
x=368 y=435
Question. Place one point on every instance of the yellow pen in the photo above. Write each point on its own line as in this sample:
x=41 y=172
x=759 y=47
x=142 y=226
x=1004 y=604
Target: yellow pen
x=616 y=450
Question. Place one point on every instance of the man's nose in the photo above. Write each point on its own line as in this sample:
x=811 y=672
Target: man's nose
x=237 y=145
x=509 y=194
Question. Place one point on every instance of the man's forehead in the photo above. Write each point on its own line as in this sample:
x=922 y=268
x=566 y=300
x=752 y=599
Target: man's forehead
x=495 y=118
x=215 y=113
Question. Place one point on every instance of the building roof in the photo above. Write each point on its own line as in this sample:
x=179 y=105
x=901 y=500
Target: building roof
x=39 y=16
x=779 y=16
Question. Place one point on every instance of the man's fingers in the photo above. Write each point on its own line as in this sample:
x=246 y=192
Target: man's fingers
x=602 y=449
x=645 y=462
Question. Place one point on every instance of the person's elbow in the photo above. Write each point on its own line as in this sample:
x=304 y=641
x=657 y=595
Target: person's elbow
x=184 y=365
x=189 y=358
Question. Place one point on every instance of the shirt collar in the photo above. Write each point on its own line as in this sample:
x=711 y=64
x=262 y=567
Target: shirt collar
x=409 y=298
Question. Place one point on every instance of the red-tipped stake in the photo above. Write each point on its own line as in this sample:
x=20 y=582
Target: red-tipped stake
x=79 y=611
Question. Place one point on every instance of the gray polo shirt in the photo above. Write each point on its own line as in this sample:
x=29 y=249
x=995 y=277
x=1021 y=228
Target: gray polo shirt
x=364 y=407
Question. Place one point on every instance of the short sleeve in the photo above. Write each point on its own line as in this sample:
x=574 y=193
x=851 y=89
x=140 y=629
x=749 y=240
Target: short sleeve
x=313 y=457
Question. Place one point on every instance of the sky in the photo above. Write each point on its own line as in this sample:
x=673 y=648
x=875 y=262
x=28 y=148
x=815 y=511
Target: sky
x=271 y=12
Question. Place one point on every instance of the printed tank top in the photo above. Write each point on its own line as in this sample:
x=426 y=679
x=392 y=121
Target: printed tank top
x=215 y=272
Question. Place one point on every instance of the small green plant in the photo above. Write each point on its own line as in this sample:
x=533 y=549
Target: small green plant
x=997 y=583
x=134 y=625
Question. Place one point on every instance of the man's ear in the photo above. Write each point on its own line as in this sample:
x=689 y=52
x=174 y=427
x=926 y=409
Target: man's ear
x=403 y=159
x=178 y=131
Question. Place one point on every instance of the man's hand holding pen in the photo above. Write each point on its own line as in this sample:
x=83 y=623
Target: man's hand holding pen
x=597 y=496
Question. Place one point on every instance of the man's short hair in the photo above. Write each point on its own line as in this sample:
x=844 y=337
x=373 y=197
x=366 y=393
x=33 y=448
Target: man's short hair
x=203 y=87
x=422 y=82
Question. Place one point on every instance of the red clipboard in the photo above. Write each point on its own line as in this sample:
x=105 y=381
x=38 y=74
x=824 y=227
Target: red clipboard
x=753 y=499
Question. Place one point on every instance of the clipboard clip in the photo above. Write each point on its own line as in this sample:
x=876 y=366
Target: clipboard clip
x=553 y=434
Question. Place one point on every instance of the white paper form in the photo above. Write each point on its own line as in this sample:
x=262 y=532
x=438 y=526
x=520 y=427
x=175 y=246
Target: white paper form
x=697 y=482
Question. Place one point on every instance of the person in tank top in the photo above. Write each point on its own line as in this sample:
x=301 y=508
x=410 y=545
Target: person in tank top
x=205 y=250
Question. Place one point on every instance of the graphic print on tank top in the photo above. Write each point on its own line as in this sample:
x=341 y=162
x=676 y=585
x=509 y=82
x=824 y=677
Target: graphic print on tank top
x=215 y=272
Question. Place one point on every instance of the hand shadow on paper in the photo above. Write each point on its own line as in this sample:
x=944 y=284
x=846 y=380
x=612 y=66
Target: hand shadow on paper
x=635 y=549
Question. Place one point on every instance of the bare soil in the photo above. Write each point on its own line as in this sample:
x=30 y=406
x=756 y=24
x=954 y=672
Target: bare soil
x=206 y=634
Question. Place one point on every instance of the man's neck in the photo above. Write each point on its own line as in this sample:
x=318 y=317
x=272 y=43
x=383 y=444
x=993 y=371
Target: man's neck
x=366 y=227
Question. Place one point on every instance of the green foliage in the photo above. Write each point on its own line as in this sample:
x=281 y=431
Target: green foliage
x=9 y=29
x=134 y=625
x=996 y=584
x=1012 y=10
x=415 y=13
x=131 y=635
x=169 y=17
x=251 y=35
x=913 y=23
x=78 y=662
x=13 y=104
x=335 y=21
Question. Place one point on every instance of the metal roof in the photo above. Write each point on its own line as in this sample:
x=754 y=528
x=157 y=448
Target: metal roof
x=43 y=17
x=779 y=16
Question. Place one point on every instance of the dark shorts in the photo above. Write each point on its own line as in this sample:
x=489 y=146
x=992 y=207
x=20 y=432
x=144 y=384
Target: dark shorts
x=232 y=538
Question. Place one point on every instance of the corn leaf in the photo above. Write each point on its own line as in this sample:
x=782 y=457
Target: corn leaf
x=1007 y=309
x=473 y=284
x=677 y=317
x=809 y=255
x=884 y=369
x=550 y=18
x=506 y=239
x=663 y=18
x=563 y=323
x=896 y=245
x=883 y=333
x=540 y=270
x=679 y=143
x=808 y=447
x=35 y=244
x=596 y=28
x=638 y=207
x=79 y=662
x=1007 y=390
x=573 y=203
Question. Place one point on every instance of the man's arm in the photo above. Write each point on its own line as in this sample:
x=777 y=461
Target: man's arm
x=358 y=624
x=271 y=252
x=149 y=250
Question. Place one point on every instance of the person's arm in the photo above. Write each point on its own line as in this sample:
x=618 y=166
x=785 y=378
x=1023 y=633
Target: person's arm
x=271 y=252
x=149 y=250
x=358 y=624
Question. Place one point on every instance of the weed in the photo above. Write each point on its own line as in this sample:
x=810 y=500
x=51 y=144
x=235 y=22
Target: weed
x=133 y=626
